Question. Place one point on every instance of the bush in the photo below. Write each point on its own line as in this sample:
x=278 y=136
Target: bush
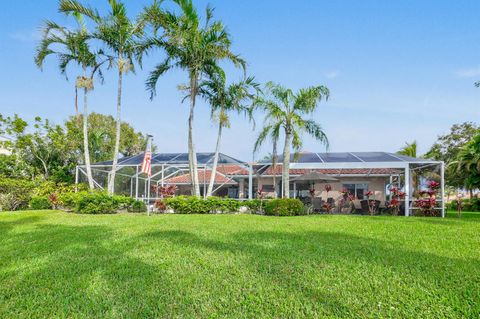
x=137 y=207
x=284 y=207
x=468 y=205
x=255 y=205
x=39 y=203
x=195 y=205
x=96 y=203
x=15 y=194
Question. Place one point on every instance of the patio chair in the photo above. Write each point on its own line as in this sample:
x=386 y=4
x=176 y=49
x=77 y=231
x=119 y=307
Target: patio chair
x=317 y=204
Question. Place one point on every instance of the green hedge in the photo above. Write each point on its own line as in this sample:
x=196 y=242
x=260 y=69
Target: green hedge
x=39 y=203
x=284 y=207
x=468 y=205
x=98 y=202
x=195 y=205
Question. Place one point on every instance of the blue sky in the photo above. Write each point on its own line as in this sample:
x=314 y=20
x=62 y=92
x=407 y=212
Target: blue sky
x=397 y=71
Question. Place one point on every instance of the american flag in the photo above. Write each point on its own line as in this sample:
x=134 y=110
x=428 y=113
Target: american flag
x=147 y=158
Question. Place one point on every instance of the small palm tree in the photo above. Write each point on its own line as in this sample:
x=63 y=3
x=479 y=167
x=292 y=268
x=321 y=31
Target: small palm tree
x=410 y=149
x=72 y=47
x=192 y=46
x=285 y=110
x=121 y=37
x=223 y=99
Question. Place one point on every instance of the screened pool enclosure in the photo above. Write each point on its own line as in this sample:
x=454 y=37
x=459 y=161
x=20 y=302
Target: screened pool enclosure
x=359 y=173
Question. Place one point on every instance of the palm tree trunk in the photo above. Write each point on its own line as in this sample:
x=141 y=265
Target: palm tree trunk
x=192 y=156
x=286 y=165
x=274 y=166
x=77 y=114
x=111 y=182
x=215 y=160
x=86 y=150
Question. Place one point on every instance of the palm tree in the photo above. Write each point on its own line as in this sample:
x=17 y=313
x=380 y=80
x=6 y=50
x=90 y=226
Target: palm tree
x=72 y=47
x=468 y=162
x=223 y=99
x=191 y=46
x=120 y=36
x=286 y=110
x=410 y=149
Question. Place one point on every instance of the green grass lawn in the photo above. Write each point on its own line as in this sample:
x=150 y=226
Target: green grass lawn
x=54 y=264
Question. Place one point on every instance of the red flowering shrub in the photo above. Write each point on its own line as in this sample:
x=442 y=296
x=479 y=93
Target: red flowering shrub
x=54 y=200
x=428 y=200
x=160 y=205
x=168 y=191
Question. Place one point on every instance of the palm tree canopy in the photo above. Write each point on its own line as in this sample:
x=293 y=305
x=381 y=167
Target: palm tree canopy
x=410 y=149
x=188 y=44
x=286 y=110
x=223 y=98
x=116 y=31
x=70 y=46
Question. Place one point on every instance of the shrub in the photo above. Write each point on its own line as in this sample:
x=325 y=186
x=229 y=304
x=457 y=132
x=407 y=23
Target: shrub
x=15 y=193
x=255 y=205
x=137 y=207
x=69 y=200
x=195 y=205
x=468 y=205
x=40 y=202
x=96 y=203
x=284 y=207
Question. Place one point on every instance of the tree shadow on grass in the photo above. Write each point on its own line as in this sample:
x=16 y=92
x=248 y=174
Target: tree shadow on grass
x=82 y=271
x=377 y=270
x=10 y=222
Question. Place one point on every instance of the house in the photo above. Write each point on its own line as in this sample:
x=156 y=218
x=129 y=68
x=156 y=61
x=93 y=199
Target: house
x=353 y=173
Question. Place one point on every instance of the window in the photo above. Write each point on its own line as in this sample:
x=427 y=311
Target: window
x=357 y=189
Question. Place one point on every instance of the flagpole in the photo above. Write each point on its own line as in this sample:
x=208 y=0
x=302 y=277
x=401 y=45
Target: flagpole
x=149 y=149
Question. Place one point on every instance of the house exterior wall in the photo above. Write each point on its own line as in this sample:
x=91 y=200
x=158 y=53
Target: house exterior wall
x=376 y=184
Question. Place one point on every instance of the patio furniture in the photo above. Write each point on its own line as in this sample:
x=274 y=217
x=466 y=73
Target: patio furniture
x=317 y=204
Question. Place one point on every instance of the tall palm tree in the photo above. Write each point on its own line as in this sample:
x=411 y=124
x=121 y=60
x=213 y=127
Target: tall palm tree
x=120 y=36
x=468 y=161
x=410 y=149
x=72 y=47
x=223 y=99
x=286 y=110
x=192 y=46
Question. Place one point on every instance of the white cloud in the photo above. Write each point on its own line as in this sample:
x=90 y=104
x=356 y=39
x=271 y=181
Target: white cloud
x=332 y=74
x=468 y=72
x=25 y=36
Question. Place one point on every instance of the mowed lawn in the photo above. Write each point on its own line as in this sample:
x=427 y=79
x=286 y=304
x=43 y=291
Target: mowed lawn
x=55 y=264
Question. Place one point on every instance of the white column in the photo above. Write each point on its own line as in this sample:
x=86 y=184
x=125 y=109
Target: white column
x=163 y=174
x=136 y=185
x=294 y=189
x=442 y=181
x=241 y=187
x=407 y=190
x=250 y=181
x=76 y=179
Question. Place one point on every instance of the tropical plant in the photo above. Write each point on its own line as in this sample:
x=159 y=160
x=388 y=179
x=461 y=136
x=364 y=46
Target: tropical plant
x=448 y=146
x=72 y=47
x=410 y=149
x=223 y=99
x=468 y=162
x=286 y=110
x=120 y=35
x=192 y=46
